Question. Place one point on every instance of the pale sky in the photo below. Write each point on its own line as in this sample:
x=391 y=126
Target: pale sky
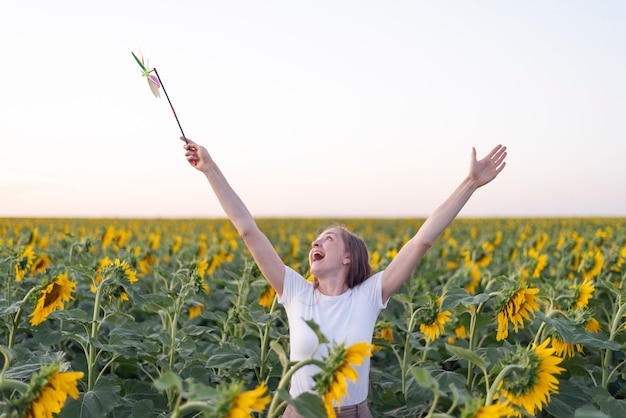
x=312 y=108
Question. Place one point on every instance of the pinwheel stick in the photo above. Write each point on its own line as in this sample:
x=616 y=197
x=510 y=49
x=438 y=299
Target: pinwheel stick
x=170 y=102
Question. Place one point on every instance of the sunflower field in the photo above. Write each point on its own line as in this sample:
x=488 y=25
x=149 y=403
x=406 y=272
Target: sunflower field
x=171 y=318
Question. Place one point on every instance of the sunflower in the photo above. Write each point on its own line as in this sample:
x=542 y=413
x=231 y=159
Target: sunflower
x=592 y=325
x=116 y=270
x=475 y=275
x=178 y=240
x=128 y=272
x=144 y=264
x=385 y=332
x=154 y=240
x=202 y=246
x=244 y=403
x=433 y=330
x=529 y=386
x=267 y=297
x=592 y=263
x=195 y=311
x=40 y=264
x=24 y=260
x=517 y=307
x=331 y=382
x=583 y=293
x=540 y=262
x=460 y=333
x=105 y=262
x=221 y=257
x=375 y=259
x=50 y=395
x=564 y=349
x=494 y=411
x=200 y=270
x=475 y=408
x=433 y=320
x=52 y=297
x=107 y=237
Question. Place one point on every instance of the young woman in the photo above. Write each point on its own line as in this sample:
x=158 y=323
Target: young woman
x=346 y=296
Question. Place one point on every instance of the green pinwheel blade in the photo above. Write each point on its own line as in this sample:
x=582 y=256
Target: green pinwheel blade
x=139 y=62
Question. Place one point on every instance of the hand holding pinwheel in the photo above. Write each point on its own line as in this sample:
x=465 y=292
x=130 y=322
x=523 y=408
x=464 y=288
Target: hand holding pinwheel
x=155 y=83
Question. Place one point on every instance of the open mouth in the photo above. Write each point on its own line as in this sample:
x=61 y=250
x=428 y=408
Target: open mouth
x=317 y=255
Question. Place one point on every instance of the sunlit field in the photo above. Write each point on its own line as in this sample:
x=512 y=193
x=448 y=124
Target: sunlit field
x=171 y=318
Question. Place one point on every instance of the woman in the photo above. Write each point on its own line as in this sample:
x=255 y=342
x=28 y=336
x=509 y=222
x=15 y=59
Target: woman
x=345 y=298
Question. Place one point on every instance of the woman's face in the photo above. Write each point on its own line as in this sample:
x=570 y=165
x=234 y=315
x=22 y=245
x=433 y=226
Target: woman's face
x=328 y=252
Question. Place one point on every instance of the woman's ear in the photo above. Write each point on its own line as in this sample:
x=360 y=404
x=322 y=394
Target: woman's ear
x=346 y=260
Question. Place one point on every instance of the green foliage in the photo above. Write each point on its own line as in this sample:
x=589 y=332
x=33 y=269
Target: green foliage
x=144 y=355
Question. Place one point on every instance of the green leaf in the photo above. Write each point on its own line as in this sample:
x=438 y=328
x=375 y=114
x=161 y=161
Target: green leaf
x=591 y=412
x=447 y=380
x=145 y=409
x=316 y=329
x=424 y=378
x=231 y=357
x=613 y=407
x=7 y=310
x=169 y=380
x=570 y=397
x=74 y=315
x=403 y=298
x=571 y=334
x=95 y=403
x=156 y=302
x=307 y=404
x=466 y=354
x=457 y=295
x=282 y=355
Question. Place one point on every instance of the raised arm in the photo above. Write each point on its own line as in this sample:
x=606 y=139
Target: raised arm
x=481 y=172
x=260 y=247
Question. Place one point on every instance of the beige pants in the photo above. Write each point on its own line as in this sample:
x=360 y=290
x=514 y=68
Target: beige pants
x=351 y=411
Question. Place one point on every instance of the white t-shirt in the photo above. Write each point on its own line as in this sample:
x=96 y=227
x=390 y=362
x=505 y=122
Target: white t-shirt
x=348 y=318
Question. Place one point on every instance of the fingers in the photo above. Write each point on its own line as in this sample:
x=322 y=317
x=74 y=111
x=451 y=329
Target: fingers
x=495 y=151
x=497 y=155
x=499 y=160
x=188 y=142
x=191 y=151
x=190 y=146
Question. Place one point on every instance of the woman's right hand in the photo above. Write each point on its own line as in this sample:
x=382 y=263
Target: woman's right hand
x=196 y=154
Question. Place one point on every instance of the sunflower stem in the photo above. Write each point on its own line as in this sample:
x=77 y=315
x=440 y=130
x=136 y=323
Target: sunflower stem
x=405 y=355
x=7 y=360
x=265 y=340
x=91 y=361
x=191 y=406
x=284 y=381
x=472 y=340
x=498 y=380
x=608 y=357
x=431 y=410
x=13 y=384
x=16 y=318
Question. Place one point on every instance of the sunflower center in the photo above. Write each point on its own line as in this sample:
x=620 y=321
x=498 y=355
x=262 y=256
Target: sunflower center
x=53 y=295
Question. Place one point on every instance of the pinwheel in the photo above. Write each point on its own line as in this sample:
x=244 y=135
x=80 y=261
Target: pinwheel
x=155 y=83
x=153 y=80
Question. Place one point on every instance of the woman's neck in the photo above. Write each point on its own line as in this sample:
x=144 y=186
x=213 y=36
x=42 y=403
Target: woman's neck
x=332 y=287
